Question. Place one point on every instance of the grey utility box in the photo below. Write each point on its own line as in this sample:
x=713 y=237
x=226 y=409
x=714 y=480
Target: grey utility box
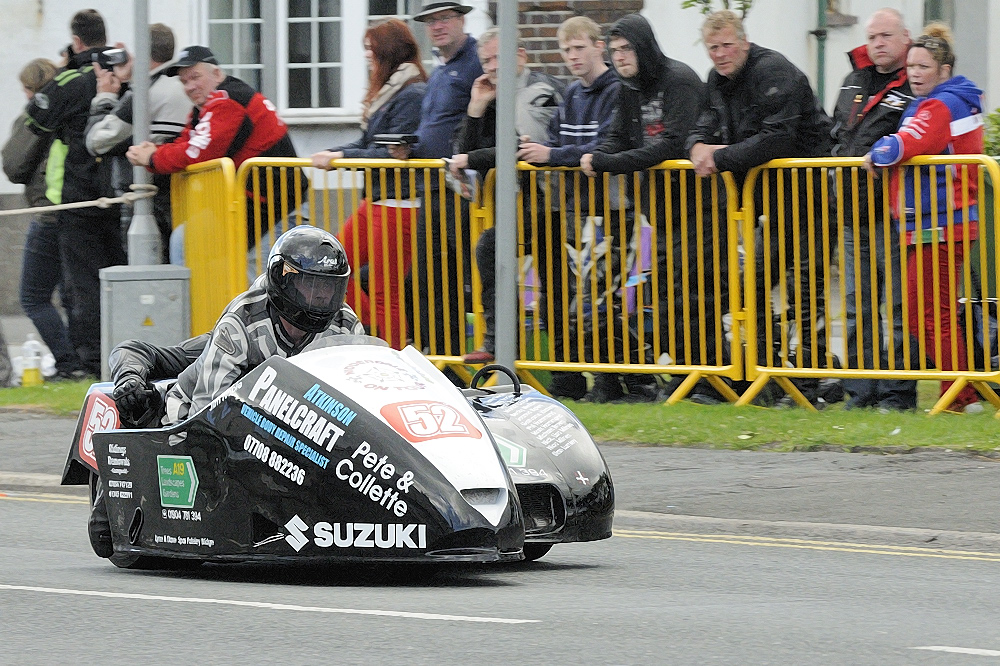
x=150 y=303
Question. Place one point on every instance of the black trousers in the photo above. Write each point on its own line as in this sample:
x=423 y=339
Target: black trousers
x=693 y=273
x=88 y=243
x=543 y=242
x=794 y=245
x=443 y=293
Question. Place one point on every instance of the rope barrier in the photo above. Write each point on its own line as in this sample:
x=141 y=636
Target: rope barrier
x=140 y=192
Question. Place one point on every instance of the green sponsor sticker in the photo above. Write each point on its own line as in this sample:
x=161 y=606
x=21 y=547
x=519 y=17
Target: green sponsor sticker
x=178 y=481
x=513 y=454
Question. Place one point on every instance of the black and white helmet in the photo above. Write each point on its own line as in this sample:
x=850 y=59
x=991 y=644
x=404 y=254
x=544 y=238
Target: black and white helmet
x=307 y=276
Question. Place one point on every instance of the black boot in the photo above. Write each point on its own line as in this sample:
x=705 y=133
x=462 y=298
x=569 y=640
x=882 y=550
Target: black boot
x=572 y=385
x=99 y=527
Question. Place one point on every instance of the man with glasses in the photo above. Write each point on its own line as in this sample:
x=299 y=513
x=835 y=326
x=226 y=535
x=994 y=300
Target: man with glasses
x=445 y=102
x=657 y=106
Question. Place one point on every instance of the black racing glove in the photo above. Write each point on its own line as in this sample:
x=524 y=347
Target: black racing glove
x=137 y=400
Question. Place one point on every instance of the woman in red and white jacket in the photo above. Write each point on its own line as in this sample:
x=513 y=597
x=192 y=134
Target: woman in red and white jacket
x=945 y=119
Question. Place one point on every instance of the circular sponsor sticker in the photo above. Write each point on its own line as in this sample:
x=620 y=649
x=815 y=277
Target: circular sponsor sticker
x=383 y=376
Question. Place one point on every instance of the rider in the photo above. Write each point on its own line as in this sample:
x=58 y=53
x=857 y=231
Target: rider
x=301 y=295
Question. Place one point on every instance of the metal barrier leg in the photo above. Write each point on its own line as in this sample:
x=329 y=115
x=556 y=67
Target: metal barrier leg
x=528 y=378
x=792 y=390
x=949 y=396
x=989 y=394
x=681 y=391
x=722 y=387
x=753 y=390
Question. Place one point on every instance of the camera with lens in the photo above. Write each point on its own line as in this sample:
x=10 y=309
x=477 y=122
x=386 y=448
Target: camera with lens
x=110 y=57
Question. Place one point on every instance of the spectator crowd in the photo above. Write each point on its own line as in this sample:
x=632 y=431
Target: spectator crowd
x=627 y=108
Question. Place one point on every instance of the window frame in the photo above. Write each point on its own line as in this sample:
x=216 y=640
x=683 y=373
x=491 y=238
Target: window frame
x=353 y=23
x=274 y=65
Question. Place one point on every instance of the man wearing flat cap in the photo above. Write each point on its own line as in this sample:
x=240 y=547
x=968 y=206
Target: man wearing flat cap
x=230 y=119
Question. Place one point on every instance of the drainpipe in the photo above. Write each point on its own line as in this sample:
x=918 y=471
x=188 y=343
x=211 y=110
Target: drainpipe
x=820 y=33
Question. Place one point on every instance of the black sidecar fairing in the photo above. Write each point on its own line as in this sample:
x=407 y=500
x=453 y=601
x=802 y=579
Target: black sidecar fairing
x=563 y=482
x=282 y=466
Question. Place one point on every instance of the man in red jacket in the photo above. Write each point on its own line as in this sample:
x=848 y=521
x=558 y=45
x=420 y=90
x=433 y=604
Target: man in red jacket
x=230 y=119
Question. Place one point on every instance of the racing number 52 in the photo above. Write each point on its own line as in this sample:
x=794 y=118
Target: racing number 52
x=427 y=420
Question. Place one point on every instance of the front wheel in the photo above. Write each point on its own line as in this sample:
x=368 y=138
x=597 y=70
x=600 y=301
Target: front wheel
x=153 y=562
x=534 y=551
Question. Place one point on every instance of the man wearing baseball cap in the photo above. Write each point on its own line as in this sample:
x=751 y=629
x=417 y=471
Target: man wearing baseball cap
x=230 y=119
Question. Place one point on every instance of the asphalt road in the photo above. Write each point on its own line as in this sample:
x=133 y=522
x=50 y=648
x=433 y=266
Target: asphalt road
x=718 y=557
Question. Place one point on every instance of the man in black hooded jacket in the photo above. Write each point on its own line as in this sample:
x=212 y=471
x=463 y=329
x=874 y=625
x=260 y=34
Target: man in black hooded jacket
x=761 y=107
x=658 y=104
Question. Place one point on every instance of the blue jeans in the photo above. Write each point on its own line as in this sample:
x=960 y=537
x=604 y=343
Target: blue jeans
x=868 y=256
x=41 y=274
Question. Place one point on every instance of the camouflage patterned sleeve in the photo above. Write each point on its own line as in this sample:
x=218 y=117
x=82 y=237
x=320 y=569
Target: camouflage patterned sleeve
x=225 y=360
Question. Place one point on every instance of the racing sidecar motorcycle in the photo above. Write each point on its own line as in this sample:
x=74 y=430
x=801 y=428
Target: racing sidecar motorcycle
x=348 y=451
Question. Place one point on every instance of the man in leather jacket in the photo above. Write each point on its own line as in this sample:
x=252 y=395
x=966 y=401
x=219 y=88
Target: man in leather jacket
x=761 y=107
x=870 y=105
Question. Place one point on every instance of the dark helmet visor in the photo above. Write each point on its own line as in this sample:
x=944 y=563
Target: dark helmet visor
x=316 y=294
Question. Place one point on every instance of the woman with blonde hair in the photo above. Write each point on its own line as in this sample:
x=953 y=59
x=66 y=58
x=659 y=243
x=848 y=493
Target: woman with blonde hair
x=25 y=156
x=385 y=218
x=945 y=119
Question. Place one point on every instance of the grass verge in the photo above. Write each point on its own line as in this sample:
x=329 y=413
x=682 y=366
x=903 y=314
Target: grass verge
x=56 y=398
x=715 y=426
x=728 y=427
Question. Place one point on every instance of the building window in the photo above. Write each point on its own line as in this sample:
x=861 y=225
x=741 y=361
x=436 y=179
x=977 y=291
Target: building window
x=314 y=54
x=306 y=55
x=234 y=36
x=939 y=10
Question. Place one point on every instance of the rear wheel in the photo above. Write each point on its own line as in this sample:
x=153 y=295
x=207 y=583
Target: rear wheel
x=533 y=551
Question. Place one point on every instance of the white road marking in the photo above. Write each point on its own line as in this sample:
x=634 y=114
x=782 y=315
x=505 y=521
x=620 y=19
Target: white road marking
x=269 y=606
x=960 y=650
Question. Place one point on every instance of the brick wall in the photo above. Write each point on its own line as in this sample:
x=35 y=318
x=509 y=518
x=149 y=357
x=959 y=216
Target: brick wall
x=539 y=20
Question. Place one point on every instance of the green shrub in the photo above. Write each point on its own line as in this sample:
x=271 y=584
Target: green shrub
x=993 y=133
x=706 y=6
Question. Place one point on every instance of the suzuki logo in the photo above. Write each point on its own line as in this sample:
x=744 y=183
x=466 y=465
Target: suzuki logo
x=296 y=537
x=357 y=535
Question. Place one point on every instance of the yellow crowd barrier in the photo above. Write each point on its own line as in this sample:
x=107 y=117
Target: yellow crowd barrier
x=660 y=272
x=411 y=253
x=203 y=200
x=599 y=293
x=821 y=254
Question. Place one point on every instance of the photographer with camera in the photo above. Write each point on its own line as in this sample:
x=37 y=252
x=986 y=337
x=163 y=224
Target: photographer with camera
x=89 y=238
x=109 y=131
